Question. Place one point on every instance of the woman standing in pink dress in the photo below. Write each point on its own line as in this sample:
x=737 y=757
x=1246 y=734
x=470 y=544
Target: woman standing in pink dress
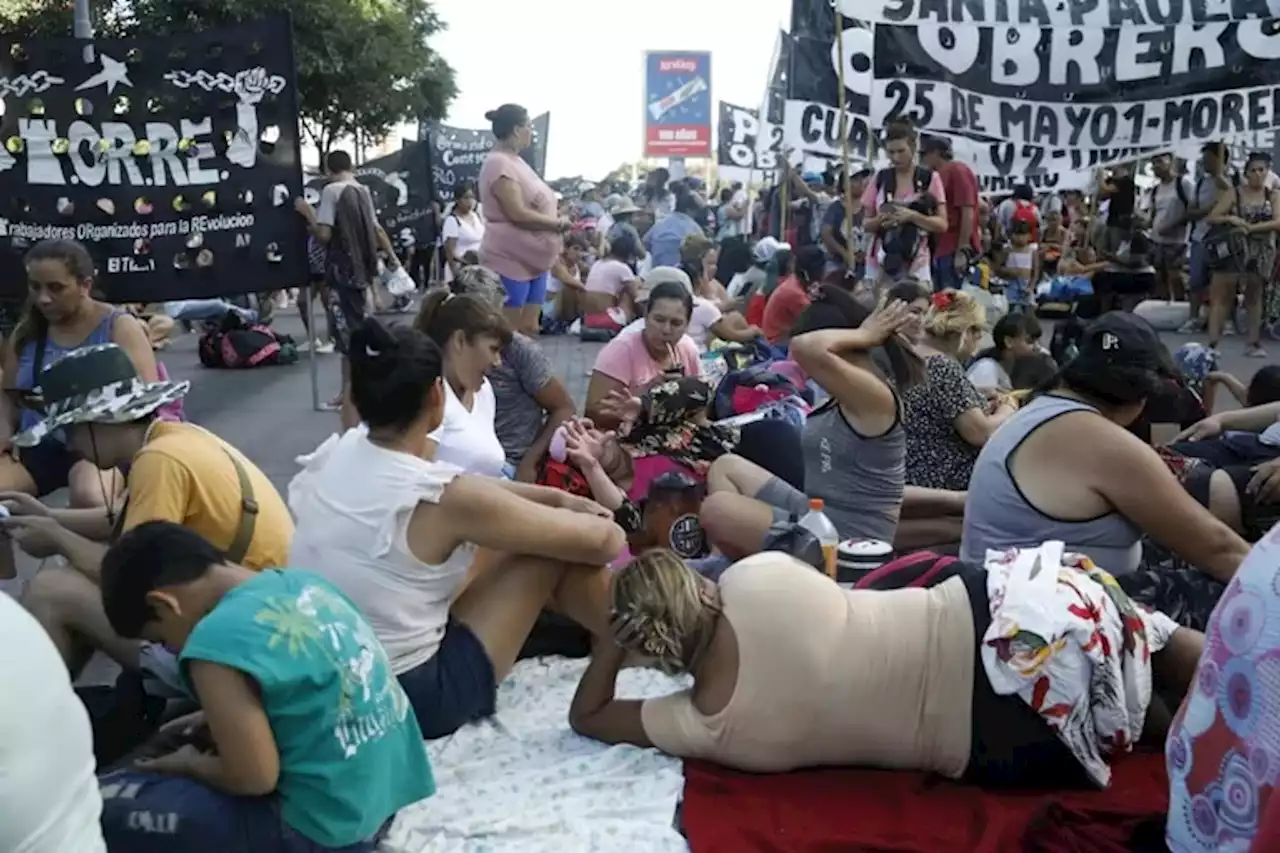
x=523 y=235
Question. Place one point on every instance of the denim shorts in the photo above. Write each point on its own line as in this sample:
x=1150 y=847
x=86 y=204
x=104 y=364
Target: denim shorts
x=156 y=813
x=522 y=293
x=455 y=687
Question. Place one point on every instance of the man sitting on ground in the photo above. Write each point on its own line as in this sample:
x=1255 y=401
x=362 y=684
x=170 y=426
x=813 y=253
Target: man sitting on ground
x=310 y=743
x=177 y=472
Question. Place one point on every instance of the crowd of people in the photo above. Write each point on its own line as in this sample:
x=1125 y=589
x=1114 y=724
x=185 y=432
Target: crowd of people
x=766 y=360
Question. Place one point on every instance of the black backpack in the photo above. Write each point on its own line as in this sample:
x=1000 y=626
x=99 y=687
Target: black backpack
x=901 y=244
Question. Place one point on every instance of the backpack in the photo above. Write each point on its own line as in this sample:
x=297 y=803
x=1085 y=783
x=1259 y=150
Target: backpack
x=901 y=244
x=237 y=345
x=1179 y=188
x=1025 y=211
x=743 y=391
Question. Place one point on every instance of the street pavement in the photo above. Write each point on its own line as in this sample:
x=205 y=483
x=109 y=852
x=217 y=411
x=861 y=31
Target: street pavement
x=268 y=413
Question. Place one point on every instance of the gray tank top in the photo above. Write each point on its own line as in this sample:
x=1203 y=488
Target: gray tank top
x=999 y=517
x=859 y=479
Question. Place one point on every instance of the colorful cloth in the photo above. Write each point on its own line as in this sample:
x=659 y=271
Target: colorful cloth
x=1223 y=750
x=1070 y=642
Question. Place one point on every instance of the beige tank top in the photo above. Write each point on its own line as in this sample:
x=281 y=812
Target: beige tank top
x=832 y=677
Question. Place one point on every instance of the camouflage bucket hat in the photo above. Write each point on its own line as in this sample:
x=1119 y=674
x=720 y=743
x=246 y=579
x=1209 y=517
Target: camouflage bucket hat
x=96 y=384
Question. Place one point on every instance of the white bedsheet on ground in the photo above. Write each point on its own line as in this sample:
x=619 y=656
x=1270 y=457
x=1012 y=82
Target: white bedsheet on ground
x=524 y=783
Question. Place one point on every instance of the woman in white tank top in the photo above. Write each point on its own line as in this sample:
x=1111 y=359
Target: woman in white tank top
x=450 y=569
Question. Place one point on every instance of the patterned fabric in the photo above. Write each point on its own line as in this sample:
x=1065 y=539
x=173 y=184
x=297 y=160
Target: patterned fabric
x=1195 y=362
x=1169 y=584
x=673 y=424
x=937 y=457
x=1223 y=750
x=1066 y=638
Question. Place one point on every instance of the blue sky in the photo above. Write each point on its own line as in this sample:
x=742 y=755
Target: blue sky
x=583 y=61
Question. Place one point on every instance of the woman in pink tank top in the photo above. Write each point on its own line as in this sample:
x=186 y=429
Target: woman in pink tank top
x=522 y=238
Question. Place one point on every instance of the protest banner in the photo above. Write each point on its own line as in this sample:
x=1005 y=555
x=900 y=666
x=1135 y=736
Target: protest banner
x=677 y=104
x=742 y=140
x=1080 y=87
x=1054 y=13
x=455 y=154
x=174 y=159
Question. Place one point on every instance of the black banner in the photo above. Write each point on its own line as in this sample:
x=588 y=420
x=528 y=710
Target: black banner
x=456 y=154
x=1052 y=13
x=174 y=159
x=400 y=184
x=815 y=68
x=1083 y=65
x=744 y=142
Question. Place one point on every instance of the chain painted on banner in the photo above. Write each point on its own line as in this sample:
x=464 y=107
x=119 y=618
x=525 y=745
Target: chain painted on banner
x=1083 y=65
x=1056 y=13
x=1155 y=123
x=254 y=78
x=22 y=85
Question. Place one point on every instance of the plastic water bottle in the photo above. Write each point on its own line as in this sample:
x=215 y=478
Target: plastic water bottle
x=816 y=522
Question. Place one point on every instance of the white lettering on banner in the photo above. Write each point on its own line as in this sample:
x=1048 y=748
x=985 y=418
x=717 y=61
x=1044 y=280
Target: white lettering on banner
x=105 y=154
x=1155 y=124
x=1055 y=13
x=806 y=125
x=747 y=142
x=1036 y=59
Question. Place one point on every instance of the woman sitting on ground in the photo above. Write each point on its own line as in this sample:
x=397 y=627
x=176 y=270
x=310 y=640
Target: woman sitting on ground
x=413 y=542
x=634 y=360
x=60 y=315
x=1015 y=336
x=946 y=418
x=708 y=321
x=854 y=446
x=1065 y=467
x=794 y=293
x=700 y=253
x=471 y=334
x=769 y=695
x=612 y=281
x=530 y=401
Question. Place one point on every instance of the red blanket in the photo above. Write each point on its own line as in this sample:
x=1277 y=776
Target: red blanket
x=846 y=811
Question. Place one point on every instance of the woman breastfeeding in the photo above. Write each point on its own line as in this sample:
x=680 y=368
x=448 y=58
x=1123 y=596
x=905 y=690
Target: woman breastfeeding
x=790 y=670
x=412 y=541
x=854 y=447
x=945 y=417
x=1065 y=467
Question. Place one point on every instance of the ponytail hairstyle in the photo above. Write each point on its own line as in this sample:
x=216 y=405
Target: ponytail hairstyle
x=1012 y=325
x=659 y=608
x=443 y=315
x=392 y=372
x=835 y=308
x=952 y=313
x=72 y=254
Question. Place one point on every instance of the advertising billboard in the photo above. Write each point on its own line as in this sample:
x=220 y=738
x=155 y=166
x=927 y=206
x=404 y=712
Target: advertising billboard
x=677 y=104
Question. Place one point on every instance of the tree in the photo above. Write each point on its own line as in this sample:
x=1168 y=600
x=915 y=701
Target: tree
x=364 y=66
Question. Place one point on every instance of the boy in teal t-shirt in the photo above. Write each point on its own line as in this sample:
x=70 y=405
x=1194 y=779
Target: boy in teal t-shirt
x=315 y=746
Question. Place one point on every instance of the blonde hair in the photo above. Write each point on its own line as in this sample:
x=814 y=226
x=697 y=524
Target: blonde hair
x=952 y=313
x=694 y=248
x=657 y=609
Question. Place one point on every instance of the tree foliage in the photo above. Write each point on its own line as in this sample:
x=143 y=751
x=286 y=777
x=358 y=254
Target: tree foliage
x=364 y=66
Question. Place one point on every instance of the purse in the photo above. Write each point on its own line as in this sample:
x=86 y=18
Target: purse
x=1226 y=247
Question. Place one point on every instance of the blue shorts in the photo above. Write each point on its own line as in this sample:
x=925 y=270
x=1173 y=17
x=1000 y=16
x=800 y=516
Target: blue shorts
x=156 y=813
x=455 y=687
x=522 y=293
x=945 y=276
x=1198 y=268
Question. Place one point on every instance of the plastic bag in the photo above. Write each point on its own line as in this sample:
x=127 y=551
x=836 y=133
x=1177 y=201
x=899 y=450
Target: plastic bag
x=398 y=282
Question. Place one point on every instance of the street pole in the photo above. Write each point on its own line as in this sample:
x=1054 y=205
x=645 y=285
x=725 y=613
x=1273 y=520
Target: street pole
x=84 y=28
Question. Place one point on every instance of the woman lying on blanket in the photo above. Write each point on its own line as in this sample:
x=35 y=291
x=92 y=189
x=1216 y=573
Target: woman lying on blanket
x=1065 y=467
x=772 y=693
x=450 y=569
x=854 y=447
